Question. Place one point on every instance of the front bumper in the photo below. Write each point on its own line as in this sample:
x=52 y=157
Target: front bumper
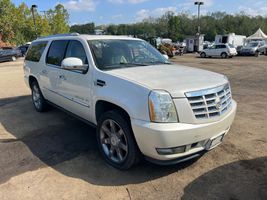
x=248 y=53
x=150 y=136
x=232 y=53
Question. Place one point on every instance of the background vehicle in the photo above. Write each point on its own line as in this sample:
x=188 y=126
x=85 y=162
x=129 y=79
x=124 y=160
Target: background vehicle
x=253 y=48
x=219 y=50
x=231 y=38
x=139 y=102
x=263 y=49
x=9 y=54
x=23 y=49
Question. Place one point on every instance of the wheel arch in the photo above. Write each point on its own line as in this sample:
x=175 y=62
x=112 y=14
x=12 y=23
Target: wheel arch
x=103 y=106
x=203 y=53
x=31 y=80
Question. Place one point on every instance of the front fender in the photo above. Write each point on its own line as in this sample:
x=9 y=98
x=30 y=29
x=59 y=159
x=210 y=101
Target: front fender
x=133 y=98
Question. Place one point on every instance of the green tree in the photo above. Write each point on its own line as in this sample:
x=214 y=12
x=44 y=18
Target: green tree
x=7 y=13
x=58 y=19
x=83 y=29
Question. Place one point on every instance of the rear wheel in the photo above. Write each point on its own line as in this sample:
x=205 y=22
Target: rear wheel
x=224 y=55
x=37 y=97
x=116 y=141
x=202 y=54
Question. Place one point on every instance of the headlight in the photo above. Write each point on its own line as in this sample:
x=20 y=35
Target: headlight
x=161 y=107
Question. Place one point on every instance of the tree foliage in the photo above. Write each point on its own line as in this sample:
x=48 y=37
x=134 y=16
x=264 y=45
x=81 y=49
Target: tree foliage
x=17 y=26
x=83 y=29
x=178 y=27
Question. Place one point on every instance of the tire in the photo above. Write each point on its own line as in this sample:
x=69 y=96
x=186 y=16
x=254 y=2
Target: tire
x=203 y=55
x=224 y=55
x=116 y=140
x=38 y=100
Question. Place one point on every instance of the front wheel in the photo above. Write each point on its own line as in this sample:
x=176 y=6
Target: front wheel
x=203 y=55
x=116 y=141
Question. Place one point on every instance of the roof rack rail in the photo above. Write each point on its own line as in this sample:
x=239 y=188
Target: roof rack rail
x=59 y=35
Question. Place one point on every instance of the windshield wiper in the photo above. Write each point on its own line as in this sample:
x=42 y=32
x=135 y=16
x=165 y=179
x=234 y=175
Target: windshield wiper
x=159 y=62
x=122 y=65
x=132 y=64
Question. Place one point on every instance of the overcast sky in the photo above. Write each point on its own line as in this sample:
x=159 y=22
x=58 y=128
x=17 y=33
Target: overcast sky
x=129 y=11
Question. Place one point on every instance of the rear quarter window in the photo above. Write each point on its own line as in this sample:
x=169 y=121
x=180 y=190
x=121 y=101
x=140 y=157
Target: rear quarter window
x=35 y=51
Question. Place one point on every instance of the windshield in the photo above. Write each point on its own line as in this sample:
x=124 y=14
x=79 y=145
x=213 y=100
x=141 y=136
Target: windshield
x=115 y=53
x=252 y=44
x=231 y=46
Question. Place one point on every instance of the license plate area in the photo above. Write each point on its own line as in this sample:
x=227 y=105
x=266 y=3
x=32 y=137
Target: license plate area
x=212 y=143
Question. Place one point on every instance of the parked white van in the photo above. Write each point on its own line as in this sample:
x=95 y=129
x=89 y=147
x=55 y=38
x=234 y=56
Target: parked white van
x=141 y=104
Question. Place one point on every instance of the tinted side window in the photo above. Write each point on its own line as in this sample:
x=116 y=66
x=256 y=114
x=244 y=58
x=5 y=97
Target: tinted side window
x=223 y=46
x=35 y=51
x=56 y=52
x=75 y=49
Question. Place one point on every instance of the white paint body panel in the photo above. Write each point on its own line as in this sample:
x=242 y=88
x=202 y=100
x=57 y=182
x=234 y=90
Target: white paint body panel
x=129 y=89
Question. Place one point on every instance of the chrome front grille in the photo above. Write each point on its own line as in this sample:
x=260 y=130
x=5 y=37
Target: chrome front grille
x=210 y=103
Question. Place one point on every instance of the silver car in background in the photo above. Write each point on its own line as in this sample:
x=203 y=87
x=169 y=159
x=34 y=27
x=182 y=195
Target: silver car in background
x=253 y=48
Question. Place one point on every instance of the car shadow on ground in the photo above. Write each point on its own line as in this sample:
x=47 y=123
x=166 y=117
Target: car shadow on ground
x=62 y=142
x=245 y=179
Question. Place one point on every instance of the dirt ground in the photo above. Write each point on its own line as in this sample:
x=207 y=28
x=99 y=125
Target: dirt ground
x=54 y=156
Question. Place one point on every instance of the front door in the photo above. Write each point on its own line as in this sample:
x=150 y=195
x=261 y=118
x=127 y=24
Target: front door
x=74 y=86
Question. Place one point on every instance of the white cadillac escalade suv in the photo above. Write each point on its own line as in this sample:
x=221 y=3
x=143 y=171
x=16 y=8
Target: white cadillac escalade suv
x=141 y=104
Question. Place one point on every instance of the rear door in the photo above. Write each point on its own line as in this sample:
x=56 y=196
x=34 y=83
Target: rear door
x=50 y=70
x=218 y=50
x=74 y=87
x=223 y=49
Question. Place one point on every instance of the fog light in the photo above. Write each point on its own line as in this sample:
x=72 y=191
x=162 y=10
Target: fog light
x=168 y=151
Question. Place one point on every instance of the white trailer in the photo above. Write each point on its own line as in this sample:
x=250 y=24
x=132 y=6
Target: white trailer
x=231 y=38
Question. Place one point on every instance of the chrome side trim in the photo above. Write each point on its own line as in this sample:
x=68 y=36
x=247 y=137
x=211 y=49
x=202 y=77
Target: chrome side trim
x=71 y=99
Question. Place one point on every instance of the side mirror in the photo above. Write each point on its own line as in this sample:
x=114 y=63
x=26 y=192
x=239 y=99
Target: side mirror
x=73 y=63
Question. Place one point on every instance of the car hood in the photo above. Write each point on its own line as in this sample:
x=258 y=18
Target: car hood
x=175 y=79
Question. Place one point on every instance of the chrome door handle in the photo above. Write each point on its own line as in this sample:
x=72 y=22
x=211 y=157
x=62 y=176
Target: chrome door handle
x=62 y=77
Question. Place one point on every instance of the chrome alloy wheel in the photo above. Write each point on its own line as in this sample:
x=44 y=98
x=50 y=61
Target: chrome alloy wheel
x=113 y=141
x=36 y=96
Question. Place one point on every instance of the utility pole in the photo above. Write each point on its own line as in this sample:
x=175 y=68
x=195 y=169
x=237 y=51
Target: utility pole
x=199 y=3
x=33 y=17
